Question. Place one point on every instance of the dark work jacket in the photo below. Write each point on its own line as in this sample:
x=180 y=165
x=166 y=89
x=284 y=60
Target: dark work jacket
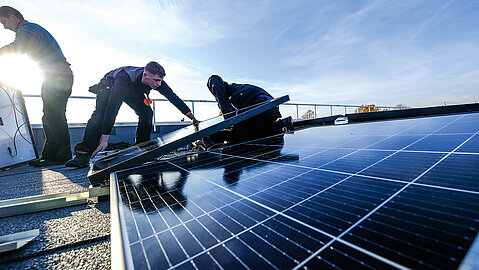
x=39 y=44
x=239 y=95
x=125 y=83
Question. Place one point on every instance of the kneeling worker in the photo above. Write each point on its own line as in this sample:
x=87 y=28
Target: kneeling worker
x=131 y=85
x=231 y=97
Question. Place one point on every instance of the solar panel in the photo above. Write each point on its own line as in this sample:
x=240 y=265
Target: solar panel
x=16 y=138
x=390 y=194
x=147 y=151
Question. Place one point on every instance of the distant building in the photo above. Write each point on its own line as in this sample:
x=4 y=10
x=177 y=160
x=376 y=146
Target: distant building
x=367 y=108
x=308 y=115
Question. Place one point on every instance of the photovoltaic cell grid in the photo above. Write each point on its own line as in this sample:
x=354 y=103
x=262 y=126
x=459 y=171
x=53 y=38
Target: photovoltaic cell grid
x=390 y=194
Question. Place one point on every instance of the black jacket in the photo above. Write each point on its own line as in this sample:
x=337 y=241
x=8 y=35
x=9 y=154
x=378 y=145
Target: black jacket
x=126 y=82
x=231 y=96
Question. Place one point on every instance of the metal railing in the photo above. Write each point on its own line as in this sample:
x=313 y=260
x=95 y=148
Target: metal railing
x=312 y=114
x=371 y=108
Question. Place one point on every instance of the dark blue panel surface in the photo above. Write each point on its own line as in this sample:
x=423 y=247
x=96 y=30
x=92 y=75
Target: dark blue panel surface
x=363 y=142
x=456 y=171
x=337 y=208
x=404 y=166
x=471 y=146
x=464 y=126
x=340 y=256
x=422 y=127
x=357 y=161
x=421 y=228
x=444 y=142
x=396 y=142
x=315 y=158
x=331 y=197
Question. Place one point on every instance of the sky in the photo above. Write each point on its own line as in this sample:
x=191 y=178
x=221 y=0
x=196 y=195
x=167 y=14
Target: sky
x=411 y=52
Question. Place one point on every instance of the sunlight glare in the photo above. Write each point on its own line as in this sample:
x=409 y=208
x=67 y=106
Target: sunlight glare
x=19 y=71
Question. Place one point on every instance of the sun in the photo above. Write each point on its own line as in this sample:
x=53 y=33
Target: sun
x=20 y=72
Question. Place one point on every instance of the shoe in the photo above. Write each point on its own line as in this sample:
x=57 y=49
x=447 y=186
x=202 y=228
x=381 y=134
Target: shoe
x=287 y=124
x=80 y=161
x=33 y=162
x=36 y=161
x=45 y=162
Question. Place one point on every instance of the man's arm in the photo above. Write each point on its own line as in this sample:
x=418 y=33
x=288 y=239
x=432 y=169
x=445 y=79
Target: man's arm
x=10 y=48
x=24 y=41
x=166 y=91
x=192 y=117
x=7 y=49
x=102 y=146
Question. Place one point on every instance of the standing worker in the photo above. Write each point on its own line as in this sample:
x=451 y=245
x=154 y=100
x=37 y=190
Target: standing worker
x=39 y=44
x=232 y=97
x=131 y=85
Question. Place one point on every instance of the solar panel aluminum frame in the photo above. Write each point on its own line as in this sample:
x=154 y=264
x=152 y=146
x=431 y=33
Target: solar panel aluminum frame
x=388 y=115
x=120 y=254
x=98 y=177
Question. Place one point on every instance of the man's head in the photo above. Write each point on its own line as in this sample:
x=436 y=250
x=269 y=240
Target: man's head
x=215 y=79
x=10 y=18
x=153 y=75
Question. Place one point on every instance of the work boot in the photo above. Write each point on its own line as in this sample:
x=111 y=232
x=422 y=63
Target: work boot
x=287 y=124
x=45 y=162
x=80 y=161
x=33 y=162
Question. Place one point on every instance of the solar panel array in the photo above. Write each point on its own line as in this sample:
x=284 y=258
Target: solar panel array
x=391 y=194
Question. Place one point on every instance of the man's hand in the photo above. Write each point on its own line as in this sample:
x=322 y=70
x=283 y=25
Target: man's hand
x=195 y=124
x=102 y=146
x=194 y=121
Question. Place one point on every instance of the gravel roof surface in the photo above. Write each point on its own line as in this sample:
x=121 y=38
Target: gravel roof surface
x=76 y=237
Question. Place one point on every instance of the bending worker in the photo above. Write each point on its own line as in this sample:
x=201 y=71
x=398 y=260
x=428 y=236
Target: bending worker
x=232 y=97
x=41 y=47
x=131 y=85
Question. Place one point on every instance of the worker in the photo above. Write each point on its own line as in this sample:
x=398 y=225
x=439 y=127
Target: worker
x=131 y=85
x=232 y=97
x=42 y=48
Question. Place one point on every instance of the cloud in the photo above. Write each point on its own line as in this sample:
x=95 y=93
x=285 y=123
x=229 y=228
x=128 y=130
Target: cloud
x=158 y=23
x=335 y=52
x=430 y=19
